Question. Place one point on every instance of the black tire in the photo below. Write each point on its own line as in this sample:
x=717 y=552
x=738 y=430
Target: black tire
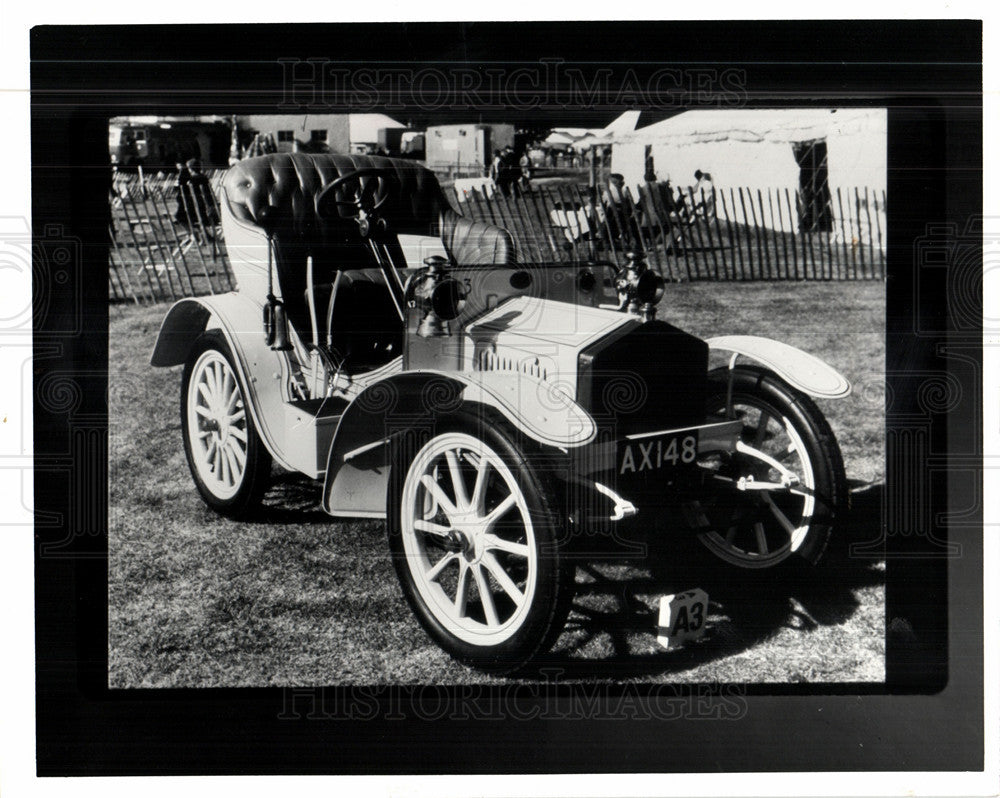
x=759 y=395
x=519 y=633
x=243 y=495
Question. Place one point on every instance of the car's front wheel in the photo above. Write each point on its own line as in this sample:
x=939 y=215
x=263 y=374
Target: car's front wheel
x=227 y=458
x=473 y=537
x=778 y=497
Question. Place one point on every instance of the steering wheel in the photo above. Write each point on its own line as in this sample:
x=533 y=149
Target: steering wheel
x=363 y=196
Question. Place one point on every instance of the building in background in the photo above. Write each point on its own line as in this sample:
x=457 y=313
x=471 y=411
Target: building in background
x=305 y=132
x=160 y=142
x=465 y=149
x=371 y=132
x=814 y=151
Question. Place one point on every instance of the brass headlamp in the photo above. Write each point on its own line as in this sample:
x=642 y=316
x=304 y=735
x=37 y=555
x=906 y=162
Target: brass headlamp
x=439 y=297
x=639 y=287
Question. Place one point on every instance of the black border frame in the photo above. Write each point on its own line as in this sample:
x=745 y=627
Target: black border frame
x=928 y=715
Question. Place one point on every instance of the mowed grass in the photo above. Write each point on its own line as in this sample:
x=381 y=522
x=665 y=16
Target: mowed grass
x=296 y=598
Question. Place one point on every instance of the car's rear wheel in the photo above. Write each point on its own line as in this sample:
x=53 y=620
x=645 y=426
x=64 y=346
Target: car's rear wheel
x=472 y=532
x=228 y=461
x=777 y=498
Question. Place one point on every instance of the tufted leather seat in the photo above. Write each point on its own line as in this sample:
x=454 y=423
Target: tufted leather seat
x=278 y=193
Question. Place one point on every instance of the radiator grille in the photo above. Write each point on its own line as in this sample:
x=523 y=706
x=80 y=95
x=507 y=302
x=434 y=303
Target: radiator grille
x=653 y=377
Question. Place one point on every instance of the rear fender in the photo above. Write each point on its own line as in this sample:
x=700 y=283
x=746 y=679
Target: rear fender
x=799 y=369
x=262 y=371
x=357 y=469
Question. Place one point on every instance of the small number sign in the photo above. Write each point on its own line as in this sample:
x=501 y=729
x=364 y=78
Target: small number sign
x=682 y=617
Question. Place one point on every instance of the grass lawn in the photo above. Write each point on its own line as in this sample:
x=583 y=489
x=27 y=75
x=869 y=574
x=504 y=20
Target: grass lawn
x=297 y=598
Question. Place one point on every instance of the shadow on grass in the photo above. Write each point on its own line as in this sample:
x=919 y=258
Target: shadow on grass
x=747 y=607
x=611 y=630
x=292 y=498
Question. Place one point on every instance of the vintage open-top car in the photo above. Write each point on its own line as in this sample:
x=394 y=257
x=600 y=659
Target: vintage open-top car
x=495 y=413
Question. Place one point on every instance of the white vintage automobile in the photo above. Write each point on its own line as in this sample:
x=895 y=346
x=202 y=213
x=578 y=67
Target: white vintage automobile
x=495 y=413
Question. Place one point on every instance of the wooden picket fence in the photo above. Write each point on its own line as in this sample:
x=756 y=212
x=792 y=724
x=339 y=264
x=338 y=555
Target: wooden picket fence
x=155 y=257
x=731 y=234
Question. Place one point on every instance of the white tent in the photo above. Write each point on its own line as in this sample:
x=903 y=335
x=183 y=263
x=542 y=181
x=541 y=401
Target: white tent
x=754 y=148
x=559 y=138
x=623 y=125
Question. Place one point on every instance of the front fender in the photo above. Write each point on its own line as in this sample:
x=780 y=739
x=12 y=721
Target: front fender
x=357 y=467
x=799 y=369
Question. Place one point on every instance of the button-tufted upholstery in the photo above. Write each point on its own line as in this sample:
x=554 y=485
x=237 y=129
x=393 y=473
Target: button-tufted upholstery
x=278 y=193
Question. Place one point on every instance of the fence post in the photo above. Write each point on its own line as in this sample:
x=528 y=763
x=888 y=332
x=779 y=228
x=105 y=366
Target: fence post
x=805 y=239
x=662 y=246
x=632 y=210
x=870 y=270
x=781 y=231
x=878 y=228
x=763 y=234
x=145 y=266
x=861 y=244
x=530 y=224
x=791 y=231
x=545 y=225
x=165 y=214
x=187 y=202
x=153 y=222
x=843 y=234
x=734 y=244
x=122 y=263
x=750 y=240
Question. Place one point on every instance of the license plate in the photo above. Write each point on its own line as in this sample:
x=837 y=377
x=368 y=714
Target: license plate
x=658 y=451
x=682 y=617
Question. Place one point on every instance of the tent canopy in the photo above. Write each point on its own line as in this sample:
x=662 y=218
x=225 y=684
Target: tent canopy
x=782 y=125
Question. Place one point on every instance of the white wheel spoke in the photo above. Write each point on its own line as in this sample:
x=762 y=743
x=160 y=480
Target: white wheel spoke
x=503 y=578
x=224 y=471
x=213 y=379
x=234 y=466
x=462 y=591
x=485 y=596
x=457 y=481
x=439 y=495
x=435 y=571
x=500 y=510
x=238 y=453
x=431 y=528
x=509 y=546
x=758 y=528
x=217 y=427
x=228 y=389
x=455 y=490
x=206 y=392
x=478 y=500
